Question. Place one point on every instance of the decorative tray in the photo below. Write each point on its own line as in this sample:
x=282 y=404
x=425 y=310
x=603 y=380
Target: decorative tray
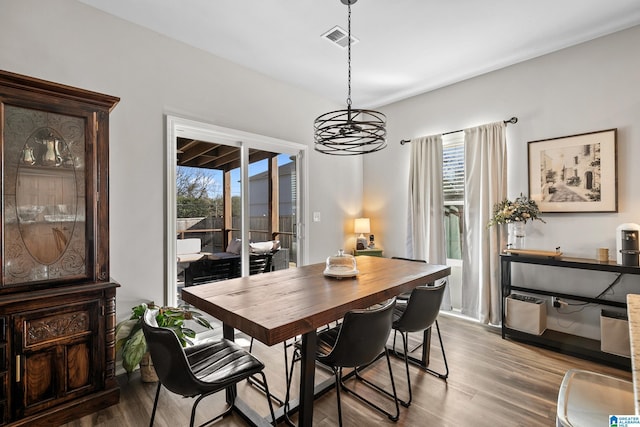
x=534 y=252
x=340 y=272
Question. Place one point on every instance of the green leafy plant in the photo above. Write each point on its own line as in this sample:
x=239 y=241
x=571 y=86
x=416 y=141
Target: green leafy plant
x=522 y=209
x=130 y=338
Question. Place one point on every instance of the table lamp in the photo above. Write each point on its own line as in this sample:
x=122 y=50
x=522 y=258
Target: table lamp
x=361 y=226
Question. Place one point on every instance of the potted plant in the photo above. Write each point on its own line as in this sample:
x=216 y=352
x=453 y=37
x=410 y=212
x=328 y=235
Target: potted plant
x=521 y=210
x=515 y=214
x=130 y=338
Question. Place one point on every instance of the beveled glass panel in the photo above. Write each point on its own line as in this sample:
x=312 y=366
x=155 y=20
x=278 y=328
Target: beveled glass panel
x=44 y=201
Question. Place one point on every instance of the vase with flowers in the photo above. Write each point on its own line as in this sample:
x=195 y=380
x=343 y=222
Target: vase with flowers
x=515 y=214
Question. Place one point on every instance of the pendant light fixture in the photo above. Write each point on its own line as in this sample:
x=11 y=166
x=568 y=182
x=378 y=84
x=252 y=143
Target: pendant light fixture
x=352 y=131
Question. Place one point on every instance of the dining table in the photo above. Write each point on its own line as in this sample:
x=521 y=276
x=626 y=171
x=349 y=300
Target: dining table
x=277 y=306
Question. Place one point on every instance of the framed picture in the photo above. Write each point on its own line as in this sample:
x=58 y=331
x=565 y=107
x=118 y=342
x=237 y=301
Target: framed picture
x=574 y=173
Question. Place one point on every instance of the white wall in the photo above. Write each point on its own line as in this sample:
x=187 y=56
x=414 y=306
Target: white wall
x=589 y=87
x=71 y=43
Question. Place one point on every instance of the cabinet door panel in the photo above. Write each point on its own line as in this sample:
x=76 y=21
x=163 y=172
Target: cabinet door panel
x=58 y=353
x=78 y=366
x=39 y=372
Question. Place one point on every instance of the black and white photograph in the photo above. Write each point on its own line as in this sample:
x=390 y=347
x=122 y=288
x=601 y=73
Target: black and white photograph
x=575 y=173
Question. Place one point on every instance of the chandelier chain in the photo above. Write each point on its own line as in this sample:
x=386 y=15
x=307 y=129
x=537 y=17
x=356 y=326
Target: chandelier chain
x=352 y=131
x=349 y=56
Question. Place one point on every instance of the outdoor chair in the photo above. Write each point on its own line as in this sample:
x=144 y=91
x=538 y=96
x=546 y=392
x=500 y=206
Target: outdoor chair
x=419 y=314
x=260 y=263
x=211 y=270
x=356 y=343
x=200 y=370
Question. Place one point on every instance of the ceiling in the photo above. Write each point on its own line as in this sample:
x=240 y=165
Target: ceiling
x=209 y=155
x=406 y=47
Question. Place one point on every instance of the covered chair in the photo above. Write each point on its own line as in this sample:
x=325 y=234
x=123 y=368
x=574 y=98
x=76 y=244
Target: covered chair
x=590 y=399
x=356 y=343
x=200 y=370
x=419 y=314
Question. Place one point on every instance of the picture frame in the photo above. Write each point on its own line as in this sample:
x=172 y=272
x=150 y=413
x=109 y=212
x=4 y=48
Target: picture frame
x=576 y=173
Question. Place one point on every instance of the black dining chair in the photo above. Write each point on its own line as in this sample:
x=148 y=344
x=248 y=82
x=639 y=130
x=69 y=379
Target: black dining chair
x=199 y=370
x=419 y=314
x=356 y=343
x=405 y=296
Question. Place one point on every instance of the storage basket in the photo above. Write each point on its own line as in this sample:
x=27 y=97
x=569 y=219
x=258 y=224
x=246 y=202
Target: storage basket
x=614 y=333
x=526 y=314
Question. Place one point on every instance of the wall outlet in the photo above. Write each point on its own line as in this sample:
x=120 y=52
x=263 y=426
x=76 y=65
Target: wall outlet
x=555 y=301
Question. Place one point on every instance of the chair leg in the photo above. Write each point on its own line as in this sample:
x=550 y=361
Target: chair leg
x=418 y=362
x=444 y=375
x=269 y=397
x=260 y=385
x=394 y=395
x=230 y=408
x=217 y=417
x=337 y=372
x=155 y=404
x=406 y=366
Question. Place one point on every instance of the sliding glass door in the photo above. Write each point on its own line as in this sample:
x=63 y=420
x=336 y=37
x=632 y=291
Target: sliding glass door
x=234 y=199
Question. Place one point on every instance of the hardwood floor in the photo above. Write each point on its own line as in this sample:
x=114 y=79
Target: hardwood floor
x=492 y=382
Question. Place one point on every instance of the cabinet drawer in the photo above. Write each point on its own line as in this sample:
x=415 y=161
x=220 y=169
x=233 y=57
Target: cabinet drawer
x=46 y=329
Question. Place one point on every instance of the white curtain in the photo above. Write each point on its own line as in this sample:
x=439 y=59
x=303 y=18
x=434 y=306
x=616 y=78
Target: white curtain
x=485 y=185
x=425 y=234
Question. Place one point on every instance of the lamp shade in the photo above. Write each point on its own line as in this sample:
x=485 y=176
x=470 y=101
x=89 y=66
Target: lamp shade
x=362 y=225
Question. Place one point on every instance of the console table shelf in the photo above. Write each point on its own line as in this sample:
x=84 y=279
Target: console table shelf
x=565 y=343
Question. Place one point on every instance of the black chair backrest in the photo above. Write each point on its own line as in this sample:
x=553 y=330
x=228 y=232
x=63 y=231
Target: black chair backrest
x=362 y=337
x=260 y=263
x=408 y=259
x=422 y=308
x=169 y=359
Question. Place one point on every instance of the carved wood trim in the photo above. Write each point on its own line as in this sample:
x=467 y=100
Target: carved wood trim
x=55 y=327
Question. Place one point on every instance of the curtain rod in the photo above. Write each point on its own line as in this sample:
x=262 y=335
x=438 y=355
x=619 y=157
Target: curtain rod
x=512 y=120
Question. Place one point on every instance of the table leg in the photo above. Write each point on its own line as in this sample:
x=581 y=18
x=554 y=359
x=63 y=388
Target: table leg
x=307 y=378
x=426 y=347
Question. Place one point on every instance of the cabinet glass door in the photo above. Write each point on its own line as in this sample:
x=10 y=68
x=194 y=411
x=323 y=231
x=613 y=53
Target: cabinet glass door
x=43 y=196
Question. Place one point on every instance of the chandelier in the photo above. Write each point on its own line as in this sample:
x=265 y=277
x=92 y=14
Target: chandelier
x=352 y=131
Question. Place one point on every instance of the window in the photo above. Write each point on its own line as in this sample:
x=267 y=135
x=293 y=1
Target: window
x=453 y=188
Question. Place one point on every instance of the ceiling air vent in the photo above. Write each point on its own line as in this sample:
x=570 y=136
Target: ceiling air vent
x=338 y=36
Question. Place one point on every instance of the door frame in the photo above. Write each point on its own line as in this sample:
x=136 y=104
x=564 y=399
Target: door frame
x=187 y=128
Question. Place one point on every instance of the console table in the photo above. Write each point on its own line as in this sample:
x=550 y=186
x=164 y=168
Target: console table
x=368 y=252
x=566 y=343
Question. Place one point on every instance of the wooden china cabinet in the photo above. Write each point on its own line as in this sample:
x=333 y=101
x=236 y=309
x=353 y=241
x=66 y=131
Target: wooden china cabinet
x=57 y=301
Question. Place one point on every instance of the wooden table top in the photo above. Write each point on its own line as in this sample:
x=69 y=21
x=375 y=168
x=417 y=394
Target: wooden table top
x=633 y=314
x=276 y=306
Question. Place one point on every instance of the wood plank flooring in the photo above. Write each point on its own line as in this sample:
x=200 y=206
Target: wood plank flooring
x=492 y=382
